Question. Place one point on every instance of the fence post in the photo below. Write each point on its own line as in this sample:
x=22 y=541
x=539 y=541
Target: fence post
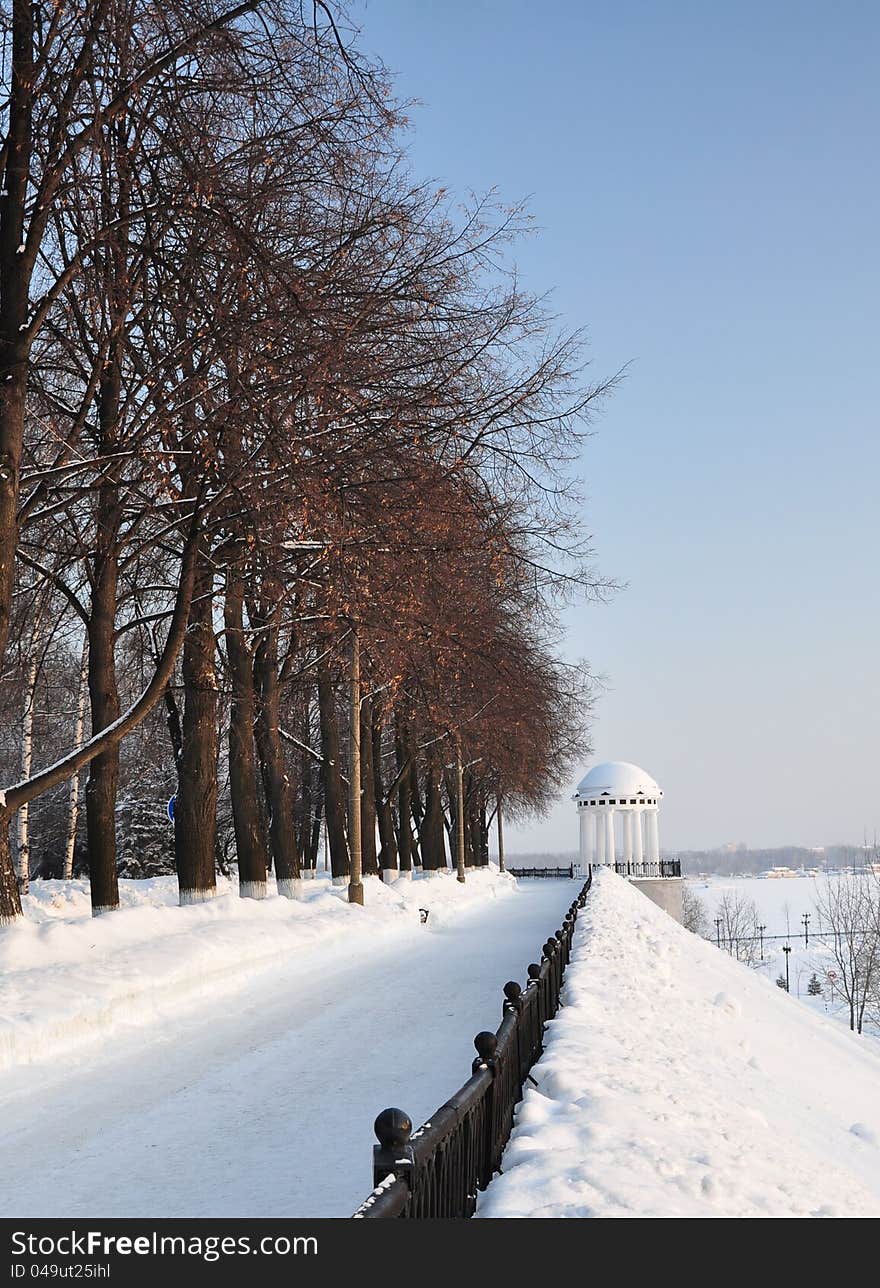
x=549 y=951
x=536 y=1027
x=486 y=1044
x=394 y=1153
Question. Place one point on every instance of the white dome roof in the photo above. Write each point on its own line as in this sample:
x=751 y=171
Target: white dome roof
x=617 y=778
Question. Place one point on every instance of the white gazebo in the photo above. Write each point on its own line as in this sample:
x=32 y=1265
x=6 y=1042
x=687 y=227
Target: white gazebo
x=618 y=806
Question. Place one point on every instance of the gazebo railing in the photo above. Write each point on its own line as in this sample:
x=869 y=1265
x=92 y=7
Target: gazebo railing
x=648 y=869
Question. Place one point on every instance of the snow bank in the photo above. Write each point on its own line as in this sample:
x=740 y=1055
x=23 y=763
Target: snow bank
x=67 y=978
x=676 y=1082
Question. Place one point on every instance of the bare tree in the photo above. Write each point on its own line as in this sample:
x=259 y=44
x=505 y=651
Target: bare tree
x=848 y=909
x=739 y=927
x=694 y=913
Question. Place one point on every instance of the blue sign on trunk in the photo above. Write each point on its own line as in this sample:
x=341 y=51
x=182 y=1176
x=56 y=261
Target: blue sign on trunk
x=171 y=808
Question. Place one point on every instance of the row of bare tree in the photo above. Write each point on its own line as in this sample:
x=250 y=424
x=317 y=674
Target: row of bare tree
x=284 y=450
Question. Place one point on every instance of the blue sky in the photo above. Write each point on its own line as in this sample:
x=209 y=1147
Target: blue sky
x=704 y=177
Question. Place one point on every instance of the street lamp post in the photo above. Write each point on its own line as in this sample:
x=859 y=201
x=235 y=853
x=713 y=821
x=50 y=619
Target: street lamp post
x=459 y=813
x=718 y=931
x=355 y=883
x=761 y=930
x=786 y=948
x=806 y=920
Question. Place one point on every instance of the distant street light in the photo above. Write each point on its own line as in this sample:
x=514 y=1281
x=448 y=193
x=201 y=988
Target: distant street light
x=761 y=930
x=786 y=948
x=806 y=920
x=718 y=931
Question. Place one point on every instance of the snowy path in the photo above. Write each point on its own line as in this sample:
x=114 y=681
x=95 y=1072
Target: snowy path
x=261 y=1103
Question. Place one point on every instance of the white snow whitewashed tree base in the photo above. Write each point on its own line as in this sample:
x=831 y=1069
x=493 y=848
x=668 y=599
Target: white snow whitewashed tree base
x=188 y=897
x=290 y=887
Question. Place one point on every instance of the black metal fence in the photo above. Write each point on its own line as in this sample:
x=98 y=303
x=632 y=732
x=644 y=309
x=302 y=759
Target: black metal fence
x=438 y=1170
x=646 y=870
x=556 y=873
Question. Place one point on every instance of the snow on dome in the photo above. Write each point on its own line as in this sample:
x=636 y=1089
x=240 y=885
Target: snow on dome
x=617 y=778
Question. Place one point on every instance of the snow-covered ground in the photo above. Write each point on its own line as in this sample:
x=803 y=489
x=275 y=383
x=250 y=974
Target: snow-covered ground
x=67 y=978
x=677 y=1082
x=228 y=1059
x=781 y=903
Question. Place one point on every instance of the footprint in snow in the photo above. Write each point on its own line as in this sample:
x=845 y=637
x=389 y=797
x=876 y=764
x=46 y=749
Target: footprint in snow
x=864 y=1132
x=727 y=1003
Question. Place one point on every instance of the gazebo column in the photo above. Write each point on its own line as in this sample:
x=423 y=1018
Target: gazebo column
x=638 y=850
x=600 y=836
x=653 y=837
x=609 y=836
x=627 y=820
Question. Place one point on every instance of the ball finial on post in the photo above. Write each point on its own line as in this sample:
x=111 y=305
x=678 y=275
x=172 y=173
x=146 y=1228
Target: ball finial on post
x=512 y=997
x=394 y=1153
x=487 y=1045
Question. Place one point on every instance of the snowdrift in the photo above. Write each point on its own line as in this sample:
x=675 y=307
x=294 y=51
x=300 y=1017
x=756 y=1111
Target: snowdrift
x=67 y=978
x=675 y=1082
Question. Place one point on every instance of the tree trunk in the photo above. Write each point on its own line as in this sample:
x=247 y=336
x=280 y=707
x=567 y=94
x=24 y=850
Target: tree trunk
x=10 y=899
x=410 y=808
x=483 y=830
x=404 y=799
x=27 y=751
x=334 y=796
x=307 y=788
x=73 y=801
x=387 y=843
x=404 y=826
x=460 y=839
x=417 y=814
x=369 y=859
x=315 y=838
x=282 y=831
x=195 y=809
x=431 y=831
x=15 y=274
x=172 y=722
x=250 y=839
x=103 y=781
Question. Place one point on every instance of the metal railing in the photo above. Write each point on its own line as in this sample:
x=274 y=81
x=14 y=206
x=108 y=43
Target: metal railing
x=556 y=873
x=646 y=870
x=438 y=1170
